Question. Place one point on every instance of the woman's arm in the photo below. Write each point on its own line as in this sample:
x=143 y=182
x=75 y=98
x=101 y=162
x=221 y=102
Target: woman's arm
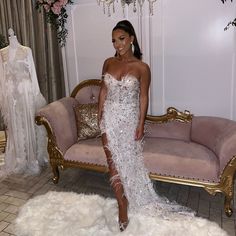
x=144 y=89
x=102 y=93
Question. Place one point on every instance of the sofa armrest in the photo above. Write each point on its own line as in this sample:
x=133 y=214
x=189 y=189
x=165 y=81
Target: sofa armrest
x=59 y=120
x=218 y=134
x=226 y=147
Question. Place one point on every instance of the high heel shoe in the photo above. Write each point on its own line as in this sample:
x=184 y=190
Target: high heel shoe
x=123 y=225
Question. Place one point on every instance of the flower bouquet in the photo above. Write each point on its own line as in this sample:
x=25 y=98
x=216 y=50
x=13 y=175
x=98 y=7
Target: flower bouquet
x=56 y=15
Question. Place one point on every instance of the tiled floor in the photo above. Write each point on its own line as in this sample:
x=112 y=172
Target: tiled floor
x=17 y=189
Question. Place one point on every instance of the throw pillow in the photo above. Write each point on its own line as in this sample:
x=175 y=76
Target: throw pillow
x=87 y=121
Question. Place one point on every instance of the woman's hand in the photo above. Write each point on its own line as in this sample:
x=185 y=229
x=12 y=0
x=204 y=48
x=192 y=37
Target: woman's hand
x=139 y=132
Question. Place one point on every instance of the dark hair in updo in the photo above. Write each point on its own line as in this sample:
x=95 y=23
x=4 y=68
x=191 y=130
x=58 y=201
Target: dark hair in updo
x=126 y=26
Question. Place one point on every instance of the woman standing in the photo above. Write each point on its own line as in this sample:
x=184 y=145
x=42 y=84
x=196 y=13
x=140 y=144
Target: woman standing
x=123 y=103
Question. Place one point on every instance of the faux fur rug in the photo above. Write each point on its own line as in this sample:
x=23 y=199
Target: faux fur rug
x=71 y=214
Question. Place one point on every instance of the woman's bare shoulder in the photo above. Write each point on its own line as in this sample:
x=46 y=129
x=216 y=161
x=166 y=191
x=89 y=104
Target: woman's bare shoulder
x=143 y=67
x=108 y=60
x=106 y=64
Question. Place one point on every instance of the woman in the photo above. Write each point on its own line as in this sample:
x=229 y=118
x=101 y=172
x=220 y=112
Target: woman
x=123 y=103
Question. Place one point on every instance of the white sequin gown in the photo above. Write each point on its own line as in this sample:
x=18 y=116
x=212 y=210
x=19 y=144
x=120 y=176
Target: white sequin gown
x=119 y=121
x=20 y=97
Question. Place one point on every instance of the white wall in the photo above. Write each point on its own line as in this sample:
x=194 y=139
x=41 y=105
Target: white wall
x=192 y=58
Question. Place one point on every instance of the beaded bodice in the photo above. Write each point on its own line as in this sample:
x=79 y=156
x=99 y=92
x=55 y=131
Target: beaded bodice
x=122 y=92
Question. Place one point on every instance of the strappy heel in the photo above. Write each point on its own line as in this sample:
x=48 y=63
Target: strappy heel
x=123 y=225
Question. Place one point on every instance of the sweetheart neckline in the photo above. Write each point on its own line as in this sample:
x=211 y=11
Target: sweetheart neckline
x=122 y=78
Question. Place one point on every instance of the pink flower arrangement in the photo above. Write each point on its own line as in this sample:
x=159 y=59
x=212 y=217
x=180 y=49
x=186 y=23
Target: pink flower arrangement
x=56 y=8
x=46 y=7
x=53 y=5
x=56 y=15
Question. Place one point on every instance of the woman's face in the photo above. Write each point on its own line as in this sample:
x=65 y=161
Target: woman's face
x=121 y=41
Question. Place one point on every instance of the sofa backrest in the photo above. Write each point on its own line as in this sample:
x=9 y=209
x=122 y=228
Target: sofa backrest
x=218 y=134
x=207 y=130
x=87 y=91
x=171 y=130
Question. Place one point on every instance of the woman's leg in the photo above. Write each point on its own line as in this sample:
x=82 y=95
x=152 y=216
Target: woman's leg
x=117 y=187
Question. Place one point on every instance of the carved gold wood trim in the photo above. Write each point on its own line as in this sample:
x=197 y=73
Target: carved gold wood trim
x=171 y=114
x=85 y=83
x=176 y=180
x=226 y=185
x=87 y=166
x=226 y=179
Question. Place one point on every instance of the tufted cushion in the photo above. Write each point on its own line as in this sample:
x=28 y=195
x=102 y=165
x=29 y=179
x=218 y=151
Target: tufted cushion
x=171 y=130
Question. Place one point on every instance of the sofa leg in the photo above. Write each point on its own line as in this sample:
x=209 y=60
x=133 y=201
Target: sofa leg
x=229 y=193
x=226 y=187
x=55 y=171
x=227 y=206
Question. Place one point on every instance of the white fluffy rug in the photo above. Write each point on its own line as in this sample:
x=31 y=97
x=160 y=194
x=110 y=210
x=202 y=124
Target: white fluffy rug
x=71 y=214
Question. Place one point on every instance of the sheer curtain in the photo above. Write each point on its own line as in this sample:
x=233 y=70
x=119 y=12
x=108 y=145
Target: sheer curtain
x=32 y=30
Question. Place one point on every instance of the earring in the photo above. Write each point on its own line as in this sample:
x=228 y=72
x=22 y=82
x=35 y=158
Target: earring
x=132 y=47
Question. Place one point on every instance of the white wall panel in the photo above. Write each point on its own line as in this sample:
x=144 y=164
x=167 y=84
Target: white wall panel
x=198 y=56
x=156 y=47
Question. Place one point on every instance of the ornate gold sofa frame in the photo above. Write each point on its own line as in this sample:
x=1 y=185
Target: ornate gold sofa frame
x=64 y=151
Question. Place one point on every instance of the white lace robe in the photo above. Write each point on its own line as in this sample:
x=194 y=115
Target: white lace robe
x=20 y=97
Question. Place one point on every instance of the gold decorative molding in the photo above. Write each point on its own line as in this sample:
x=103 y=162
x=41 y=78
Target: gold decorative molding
x=171 y=115
x=87 y=166
x=226 y=185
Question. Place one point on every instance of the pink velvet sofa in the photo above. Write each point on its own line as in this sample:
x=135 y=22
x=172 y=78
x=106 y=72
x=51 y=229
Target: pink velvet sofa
x=179 y=147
